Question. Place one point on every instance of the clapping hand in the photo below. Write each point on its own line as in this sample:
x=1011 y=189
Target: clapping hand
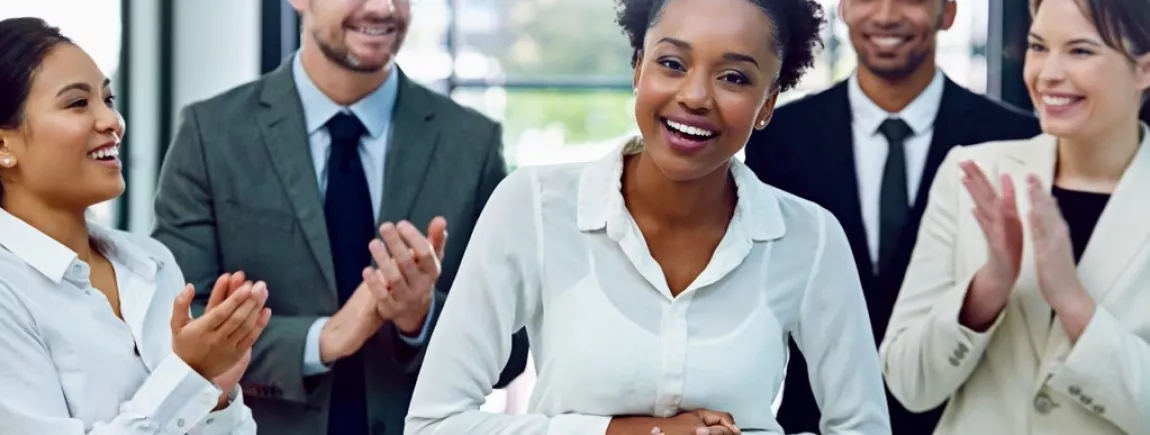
x=408 y=266
x=1053 y=252
x=218 y=344
x=998 y=218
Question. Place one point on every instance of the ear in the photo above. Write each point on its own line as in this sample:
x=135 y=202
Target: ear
x=1142 y=66
x=637 y=68
x=768 y=110
x=949 y=10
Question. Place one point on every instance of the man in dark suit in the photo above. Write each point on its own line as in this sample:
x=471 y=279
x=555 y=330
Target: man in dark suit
x=288 y=177
x=867 y=149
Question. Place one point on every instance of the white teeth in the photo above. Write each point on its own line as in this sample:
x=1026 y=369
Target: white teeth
x=374 y=31
x=687 y=129
x=1050 y=100
x=104 y=153
x=886 y=41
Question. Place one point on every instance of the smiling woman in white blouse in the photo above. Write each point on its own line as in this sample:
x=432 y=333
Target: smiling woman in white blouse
x=96 y=334
x=660 y=284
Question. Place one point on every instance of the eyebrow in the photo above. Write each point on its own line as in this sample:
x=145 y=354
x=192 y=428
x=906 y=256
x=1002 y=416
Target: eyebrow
x=81 y=86
x=730 y=56
x=1086 y=41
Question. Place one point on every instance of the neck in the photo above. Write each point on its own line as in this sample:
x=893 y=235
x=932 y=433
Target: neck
x=647 y=192
x=894 y=94
x=66 y=226
x=343 y=86
x=1099 y=159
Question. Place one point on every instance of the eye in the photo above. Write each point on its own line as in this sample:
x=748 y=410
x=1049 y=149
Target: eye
x=78 y=103
x=110 y=101
x=1081 y=52
x=671 y=64
x=1034 y=46
x=736 y=78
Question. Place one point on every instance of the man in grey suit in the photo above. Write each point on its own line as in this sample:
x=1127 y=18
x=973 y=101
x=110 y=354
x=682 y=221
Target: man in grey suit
x=288 y=177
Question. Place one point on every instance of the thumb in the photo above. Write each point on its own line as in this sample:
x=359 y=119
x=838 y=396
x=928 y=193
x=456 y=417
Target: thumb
x=182 y=309
x=437 y=235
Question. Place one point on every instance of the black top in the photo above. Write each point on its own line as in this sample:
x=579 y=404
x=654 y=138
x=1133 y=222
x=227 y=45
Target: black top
x=1081 y=211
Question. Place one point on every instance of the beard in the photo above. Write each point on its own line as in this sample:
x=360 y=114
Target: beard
x=894 y=72
x=340 y=55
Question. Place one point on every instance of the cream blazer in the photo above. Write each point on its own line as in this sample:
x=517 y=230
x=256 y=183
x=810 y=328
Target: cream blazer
x=1022 y=376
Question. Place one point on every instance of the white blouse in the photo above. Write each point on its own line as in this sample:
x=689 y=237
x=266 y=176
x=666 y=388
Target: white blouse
x=556 y=251
x=69 y=366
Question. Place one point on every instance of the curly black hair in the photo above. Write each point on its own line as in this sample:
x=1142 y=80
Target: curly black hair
x=796 y=25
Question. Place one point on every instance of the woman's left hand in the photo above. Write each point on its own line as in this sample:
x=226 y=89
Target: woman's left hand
x=230 y=379
x=1053 y=252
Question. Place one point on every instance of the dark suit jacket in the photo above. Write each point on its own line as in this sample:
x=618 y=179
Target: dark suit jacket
x=238 y=191
x=807 y=150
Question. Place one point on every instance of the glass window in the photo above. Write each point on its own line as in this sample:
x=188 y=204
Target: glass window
x=94 y=25
x=545 y=126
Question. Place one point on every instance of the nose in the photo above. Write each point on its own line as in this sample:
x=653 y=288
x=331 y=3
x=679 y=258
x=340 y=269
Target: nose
x=695 y=93
x=110 y=122
x=381 y=7
x=1051 y=70
x=886 y=12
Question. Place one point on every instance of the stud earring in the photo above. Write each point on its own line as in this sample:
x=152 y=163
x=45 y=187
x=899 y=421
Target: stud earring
x=7 y=162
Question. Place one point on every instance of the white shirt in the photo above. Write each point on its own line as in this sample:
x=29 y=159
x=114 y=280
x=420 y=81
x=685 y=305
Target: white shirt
x=69 y=366
x=871 y=147
x=556 y=251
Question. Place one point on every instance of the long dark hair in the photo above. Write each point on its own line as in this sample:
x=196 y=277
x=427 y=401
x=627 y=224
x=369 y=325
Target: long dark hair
x=24 y=43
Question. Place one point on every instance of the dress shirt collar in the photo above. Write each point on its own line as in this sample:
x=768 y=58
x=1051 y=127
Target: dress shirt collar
x=52 y=259
x=374 y=110
x=919 y=114
x=600 y=203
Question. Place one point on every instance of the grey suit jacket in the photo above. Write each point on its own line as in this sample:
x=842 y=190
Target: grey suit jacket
x=237 y=191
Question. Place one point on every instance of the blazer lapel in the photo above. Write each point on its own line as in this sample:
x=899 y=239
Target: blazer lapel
x=412 y=145
x=285 y=136
x=1037 y=157
x=1122 y=230
x=837 y=151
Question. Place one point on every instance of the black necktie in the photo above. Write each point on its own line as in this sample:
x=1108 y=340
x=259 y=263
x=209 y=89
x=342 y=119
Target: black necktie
x=350 y=227
x=894 y=202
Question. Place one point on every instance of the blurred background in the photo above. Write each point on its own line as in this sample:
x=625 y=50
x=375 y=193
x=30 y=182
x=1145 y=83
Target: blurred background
x=556 y=73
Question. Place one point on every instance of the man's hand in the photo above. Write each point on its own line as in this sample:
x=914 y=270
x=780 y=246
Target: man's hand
x=350 y=327
x=408 y=266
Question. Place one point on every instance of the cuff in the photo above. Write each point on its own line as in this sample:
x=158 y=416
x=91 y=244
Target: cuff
x=227 y=420
x=312 y=361
x=174 y=396
x=1079 y=375
x=578 y=424
x=967 y=342
x=421 y=339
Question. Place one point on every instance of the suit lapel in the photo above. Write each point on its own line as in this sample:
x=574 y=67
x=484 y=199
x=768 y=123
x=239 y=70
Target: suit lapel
x=410 y=150
x=1122 y=230
x=837 y=145
x=1034 y=157
x=285 y=136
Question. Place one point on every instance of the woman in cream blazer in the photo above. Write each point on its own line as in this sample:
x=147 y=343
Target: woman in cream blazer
x=1026 y=307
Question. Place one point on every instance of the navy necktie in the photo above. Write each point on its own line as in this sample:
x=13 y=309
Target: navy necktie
x=894 y=201
x=347 y=209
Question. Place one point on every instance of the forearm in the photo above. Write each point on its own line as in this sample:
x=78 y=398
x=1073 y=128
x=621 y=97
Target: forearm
x=984 y=302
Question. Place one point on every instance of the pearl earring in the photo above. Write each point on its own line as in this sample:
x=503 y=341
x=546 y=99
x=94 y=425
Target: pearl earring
x=7 y=162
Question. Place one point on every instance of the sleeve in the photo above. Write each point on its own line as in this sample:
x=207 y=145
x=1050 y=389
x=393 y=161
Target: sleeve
x=170 y=400
x=834 y=334
x=927 y=354
x=185 y=223
x=312 y=360
x=1108 y=372
x=236 y=419
x=496 y=292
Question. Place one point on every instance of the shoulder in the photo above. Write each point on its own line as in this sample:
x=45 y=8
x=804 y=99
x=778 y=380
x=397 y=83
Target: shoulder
x=460 y=117
x=145 y=245
x=998 y=120
x=989 y=153
x=229 y=105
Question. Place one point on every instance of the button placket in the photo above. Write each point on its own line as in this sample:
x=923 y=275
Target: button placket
x=674 y=340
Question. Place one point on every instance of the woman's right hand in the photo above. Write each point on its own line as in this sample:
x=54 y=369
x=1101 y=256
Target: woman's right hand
x=997 y=215
x=216 y=341
x=697 y=422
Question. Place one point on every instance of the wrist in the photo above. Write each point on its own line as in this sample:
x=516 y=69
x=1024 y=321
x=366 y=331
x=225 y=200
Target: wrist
x=332 y=343
x=410 y=326
x=630 y=425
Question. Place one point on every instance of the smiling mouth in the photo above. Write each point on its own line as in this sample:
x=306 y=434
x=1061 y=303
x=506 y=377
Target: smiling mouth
x=106 y=153
x=888 y=42
x=688 y=132
x=374 y=30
